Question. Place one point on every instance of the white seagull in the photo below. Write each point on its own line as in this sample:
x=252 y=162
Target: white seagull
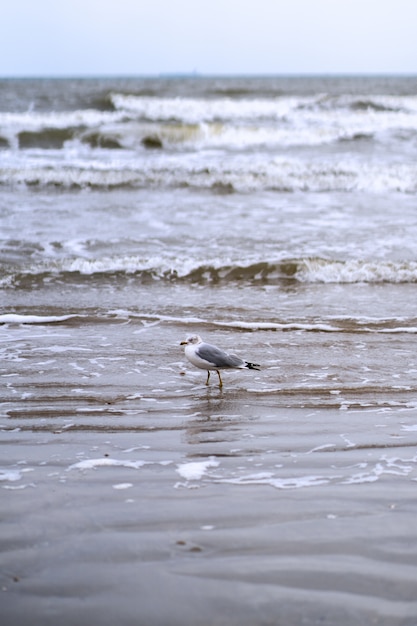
x=211 y=358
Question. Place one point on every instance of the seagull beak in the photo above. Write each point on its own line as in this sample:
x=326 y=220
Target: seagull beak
x=183 y=343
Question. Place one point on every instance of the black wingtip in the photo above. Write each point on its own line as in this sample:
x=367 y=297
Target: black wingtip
x=253 y=366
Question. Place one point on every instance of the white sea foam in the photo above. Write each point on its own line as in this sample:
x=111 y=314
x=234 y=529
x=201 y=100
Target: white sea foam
x=14 y=318
x=356 y=271
x=195 y=470
x=238 y=172
x=107 y=462
x=88 y=464
x=33 y=120
x=195 y=110
x=308 y=270
x=361 y=324
x=369 y=472
x=158 y=266
x=10 y=475
x=267 y=478
x=283 y=121
x=19 y=487
x=13 y=475
x=279 y=326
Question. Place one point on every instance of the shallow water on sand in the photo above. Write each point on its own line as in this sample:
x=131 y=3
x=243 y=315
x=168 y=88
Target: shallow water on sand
x=286 y=497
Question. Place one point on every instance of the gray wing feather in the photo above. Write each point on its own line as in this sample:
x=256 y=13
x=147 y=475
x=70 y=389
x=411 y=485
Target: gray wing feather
x=217 y=357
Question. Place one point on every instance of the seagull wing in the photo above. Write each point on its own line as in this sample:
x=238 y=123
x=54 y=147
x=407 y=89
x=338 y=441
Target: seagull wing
x=218 y=358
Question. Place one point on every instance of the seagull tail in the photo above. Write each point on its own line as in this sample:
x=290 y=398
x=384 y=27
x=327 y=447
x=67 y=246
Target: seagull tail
x=252 y=366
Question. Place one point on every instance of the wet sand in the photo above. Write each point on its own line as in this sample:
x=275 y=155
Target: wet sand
x=172 y=503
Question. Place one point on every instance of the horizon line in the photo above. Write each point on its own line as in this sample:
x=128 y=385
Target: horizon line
x=197 y=75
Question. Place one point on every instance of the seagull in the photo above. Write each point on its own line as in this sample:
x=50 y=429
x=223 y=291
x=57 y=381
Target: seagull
x=211 y=358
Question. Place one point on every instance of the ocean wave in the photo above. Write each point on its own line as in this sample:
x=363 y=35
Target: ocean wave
x=317 y=270
x=283 y=121
x=369 y=103
x=136 y=135
x=34 y=120
x=327 y=324
x=330 y=324
x=210 y=122
x=32 y=129
x=47 y=138
x=16 y=318
x=57 y=138
x=303 y=270
x=240 y=173
x=195 y=110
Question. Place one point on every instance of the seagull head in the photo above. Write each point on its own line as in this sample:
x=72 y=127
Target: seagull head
x=191 y=340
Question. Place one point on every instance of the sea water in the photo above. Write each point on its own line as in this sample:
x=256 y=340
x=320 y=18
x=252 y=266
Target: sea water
x=276 y=217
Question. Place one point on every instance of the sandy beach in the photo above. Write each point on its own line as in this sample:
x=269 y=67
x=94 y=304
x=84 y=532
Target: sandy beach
x=167 y=502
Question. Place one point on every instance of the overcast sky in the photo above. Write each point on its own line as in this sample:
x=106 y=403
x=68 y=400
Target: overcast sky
x=150 y=37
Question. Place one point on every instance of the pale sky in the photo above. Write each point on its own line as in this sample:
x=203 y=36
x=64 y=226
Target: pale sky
x=150 y=37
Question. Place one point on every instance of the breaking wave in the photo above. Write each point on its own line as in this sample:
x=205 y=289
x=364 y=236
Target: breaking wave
x=197 y=110
x=140 y=121
x=331 y=324
x=305 y=270
x=242 y=173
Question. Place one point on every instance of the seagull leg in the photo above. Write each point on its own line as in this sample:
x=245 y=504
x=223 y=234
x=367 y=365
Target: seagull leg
x=208 y=377
x=220 y=379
